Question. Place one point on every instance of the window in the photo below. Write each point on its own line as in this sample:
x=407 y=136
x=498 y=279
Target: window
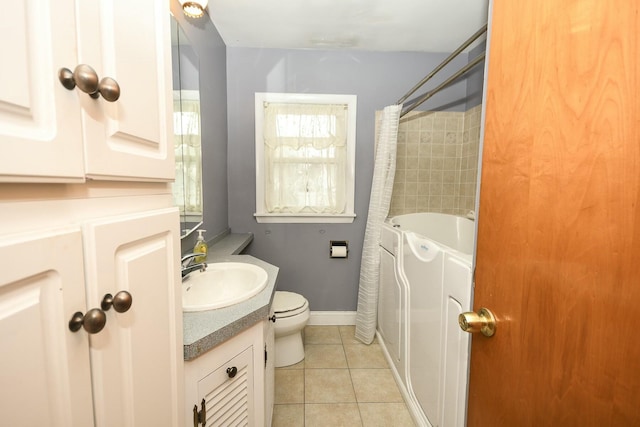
x=187 y=188
x=305 y=157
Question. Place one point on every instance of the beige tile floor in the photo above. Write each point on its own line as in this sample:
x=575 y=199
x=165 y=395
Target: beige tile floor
x=341 y=382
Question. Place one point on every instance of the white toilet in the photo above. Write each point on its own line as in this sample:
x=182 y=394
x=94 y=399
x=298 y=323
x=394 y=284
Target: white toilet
x=292 y=314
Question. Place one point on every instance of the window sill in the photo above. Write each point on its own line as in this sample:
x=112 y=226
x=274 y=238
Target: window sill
x=304 y=218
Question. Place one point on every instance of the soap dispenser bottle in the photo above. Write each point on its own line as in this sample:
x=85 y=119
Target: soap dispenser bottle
x=201 y=247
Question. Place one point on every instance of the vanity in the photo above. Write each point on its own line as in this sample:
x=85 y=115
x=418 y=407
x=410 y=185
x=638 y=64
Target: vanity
x=228 y=351
x=228 y=358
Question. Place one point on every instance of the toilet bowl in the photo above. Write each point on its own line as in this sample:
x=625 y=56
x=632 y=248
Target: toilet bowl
x=292 y=314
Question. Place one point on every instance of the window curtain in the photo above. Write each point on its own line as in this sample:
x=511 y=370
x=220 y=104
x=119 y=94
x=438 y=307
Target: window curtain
x=188 y=154
x=305 y=152
x=384 y=170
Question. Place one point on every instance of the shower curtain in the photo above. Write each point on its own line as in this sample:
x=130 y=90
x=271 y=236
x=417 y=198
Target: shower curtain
x=381 y=188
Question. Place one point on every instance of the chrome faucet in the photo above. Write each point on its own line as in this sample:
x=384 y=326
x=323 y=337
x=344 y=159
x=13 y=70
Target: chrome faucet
x=188 y=266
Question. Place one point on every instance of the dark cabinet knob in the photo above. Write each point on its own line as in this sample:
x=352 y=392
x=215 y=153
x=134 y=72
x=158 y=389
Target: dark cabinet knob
x=86 y=79
x=121 y=302
x=232 y=371
x=92 y=322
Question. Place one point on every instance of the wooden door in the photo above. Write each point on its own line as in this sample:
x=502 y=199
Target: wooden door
x=137 y=359
x=558 y=255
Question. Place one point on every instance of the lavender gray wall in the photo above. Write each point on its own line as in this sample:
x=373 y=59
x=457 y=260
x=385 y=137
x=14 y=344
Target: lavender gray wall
x=475 y=78
x=211 y=52
x=186 y=71
x=301 y=251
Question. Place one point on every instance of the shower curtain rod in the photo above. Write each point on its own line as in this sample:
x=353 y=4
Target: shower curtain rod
x=455 y=53
x=442 y=85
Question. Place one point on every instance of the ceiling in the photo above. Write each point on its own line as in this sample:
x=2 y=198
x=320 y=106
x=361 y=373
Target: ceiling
x=373 y=25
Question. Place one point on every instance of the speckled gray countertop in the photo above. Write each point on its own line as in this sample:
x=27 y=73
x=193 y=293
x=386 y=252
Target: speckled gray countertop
x=203 y=330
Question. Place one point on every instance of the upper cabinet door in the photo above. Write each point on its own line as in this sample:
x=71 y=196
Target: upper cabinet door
x=128 y=41
x=52 y=134
x=44 y=366
x=40 y=126
x=137 y=359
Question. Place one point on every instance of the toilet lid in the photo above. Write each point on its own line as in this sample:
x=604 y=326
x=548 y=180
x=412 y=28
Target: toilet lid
x=285 y=302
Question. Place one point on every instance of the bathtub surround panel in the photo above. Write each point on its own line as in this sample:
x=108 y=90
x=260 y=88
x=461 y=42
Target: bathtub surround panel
x=434 y=270
x=437 y=162
x=300 y=250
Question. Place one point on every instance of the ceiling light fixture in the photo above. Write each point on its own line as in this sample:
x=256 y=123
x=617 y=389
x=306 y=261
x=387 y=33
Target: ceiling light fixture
x=194 y=8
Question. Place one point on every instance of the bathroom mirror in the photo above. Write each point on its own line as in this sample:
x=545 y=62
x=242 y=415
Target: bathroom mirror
x=187 y=188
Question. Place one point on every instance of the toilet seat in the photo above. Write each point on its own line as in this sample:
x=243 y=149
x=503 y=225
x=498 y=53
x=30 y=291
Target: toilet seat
x=288 y=304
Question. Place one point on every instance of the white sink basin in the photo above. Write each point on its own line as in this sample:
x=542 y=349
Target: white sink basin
x=221 y=285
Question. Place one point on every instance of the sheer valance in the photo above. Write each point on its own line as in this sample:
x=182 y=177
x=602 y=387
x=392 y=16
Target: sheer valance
x=297 y=125
x=188 y=155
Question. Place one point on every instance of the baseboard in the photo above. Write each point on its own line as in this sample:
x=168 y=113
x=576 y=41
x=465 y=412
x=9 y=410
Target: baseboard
x=332 y=318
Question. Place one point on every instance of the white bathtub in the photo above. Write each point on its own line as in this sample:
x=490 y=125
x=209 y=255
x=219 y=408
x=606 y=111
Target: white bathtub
x=431 y=286
x=452 y=231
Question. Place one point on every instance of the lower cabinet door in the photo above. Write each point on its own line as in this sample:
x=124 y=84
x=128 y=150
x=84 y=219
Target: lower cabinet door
x=44 y=366
x=228 y=382
x=227 y=392
x=136 y=360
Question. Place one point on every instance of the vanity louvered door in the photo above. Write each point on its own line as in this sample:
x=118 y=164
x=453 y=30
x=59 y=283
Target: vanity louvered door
x=228 y=392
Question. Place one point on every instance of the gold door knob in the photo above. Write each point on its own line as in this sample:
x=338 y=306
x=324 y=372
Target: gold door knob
x=484 y=321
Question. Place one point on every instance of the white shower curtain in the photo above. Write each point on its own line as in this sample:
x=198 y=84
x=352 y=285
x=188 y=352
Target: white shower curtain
x=381 y=189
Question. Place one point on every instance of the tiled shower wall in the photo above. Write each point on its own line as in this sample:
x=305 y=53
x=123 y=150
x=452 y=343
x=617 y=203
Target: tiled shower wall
x=437 y=162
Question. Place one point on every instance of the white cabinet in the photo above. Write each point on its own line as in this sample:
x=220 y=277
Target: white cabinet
x=227 y=392
x=135 y=360
x=228 y=382
x=269 y=368
x=51 y=134
x=129 y=373
x=44 y=368
x=65 y=247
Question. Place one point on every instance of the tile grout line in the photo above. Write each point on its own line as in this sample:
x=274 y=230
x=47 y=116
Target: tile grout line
x=355 y=358
x=348 y=368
